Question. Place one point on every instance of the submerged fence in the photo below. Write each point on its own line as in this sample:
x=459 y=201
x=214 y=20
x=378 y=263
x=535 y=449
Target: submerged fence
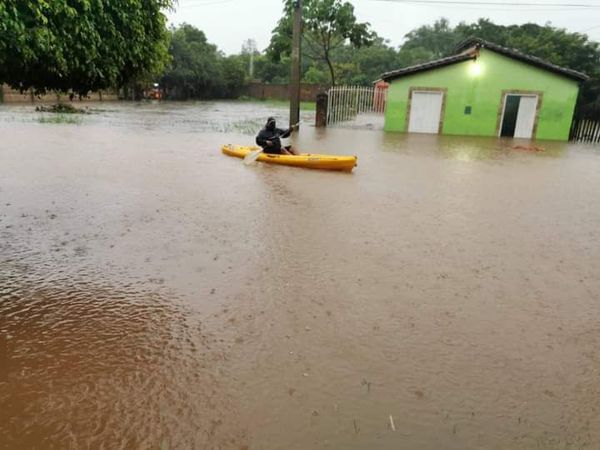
x=585 y=129
x=347 y=104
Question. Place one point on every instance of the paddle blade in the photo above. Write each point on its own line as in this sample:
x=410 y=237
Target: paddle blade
x=252 y=156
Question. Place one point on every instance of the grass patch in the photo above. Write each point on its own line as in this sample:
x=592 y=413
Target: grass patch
x=60 y=119
x=61 y=108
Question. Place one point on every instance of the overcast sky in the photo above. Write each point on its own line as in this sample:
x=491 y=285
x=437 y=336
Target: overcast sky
x=228 y=23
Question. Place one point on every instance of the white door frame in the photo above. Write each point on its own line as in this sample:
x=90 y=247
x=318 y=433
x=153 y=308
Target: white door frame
x=503 y=97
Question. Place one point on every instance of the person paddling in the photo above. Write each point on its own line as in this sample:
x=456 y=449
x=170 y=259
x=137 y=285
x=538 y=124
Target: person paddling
x=269 y=138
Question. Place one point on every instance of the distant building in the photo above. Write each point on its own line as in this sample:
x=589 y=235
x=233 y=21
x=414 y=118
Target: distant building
x=483 y=90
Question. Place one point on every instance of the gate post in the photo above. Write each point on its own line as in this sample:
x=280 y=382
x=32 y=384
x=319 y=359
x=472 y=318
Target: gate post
x=321 y=115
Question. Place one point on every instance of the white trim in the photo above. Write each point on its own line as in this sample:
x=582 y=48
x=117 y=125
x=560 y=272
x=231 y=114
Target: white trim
x=515 y=94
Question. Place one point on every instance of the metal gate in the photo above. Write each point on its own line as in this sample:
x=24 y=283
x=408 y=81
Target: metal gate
x=585 y=129
x=356 y=106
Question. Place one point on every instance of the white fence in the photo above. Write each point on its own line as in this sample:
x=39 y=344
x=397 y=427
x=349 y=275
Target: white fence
x=356 y=106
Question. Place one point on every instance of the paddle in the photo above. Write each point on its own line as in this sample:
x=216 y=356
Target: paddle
x=253 y=156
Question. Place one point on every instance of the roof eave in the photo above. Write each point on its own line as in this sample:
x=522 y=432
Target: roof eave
x=390 y=76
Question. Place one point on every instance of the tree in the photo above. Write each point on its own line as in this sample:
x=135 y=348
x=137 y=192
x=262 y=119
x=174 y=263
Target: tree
x=438 y=39
x=194 y=66
x=198 y=69
x=366 y=64
x=80 y=46
x=314 y=75
x=231 y=79
x=327 y=25
x=270 y=71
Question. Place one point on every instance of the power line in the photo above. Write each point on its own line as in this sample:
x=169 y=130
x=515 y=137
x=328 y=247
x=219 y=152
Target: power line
x=459 y=2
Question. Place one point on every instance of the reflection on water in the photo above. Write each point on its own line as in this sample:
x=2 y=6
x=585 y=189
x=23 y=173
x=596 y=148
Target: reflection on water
x=155 y=293
x=471 y=148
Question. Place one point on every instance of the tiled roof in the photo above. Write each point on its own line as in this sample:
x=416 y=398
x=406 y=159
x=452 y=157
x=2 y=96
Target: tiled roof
x=426 y=66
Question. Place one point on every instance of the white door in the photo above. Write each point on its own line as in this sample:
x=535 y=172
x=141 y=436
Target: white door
x=425 y=112
x=526 y=116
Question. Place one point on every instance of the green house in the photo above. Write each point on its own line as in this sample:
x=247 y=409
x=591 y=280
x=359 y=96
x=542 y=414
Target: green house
x=483 y=90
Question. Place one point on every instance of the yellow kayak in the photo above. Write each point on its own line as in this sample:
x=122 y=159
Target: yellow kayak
x=306 y=160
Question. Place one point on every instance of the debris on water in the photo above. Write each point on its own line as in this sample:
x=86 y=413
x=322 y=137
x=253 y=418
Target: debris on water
x=356 y=428
x=315 y=413
x=529 y=148
x=366 y=383
x=291 y=392
x=420 y=394
x=305 y=374
x=392 y=426
x=213 y=290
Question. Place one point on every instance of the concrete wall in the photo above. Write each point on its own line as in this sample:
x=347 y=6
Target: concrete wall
x=483 y=91
x=262 y=91
x=8 y=95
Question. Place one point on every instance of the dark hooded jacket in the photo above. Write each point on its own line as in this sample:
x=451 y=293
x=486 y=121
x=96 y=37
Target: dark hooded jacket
x=271 y=133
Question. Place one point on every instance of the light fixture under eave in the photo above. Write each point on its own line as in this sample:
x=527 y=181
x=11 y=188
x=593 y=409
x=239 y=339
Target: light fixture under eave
x=475 y=68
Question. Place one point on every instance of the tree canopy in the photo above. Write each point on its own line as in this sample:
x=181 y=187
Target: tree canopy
x=82 y=45
x=198 y=69
x=327 y=26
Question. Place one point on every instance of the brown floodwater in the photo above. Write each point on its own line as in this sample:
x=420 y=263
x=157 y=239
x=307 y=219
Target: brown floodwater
x=156 y=294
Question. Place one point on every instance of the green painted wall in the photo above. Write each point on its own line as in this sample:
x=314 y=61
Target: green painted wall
x=483 y=92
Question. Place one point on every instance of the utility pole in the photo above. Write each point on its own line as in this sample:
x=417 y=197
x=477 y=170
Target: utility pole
x=295 y=77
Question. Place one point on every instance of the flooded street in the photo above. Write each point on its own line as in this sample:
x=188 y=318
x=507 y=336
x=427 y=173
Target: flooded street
x=156 y=294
